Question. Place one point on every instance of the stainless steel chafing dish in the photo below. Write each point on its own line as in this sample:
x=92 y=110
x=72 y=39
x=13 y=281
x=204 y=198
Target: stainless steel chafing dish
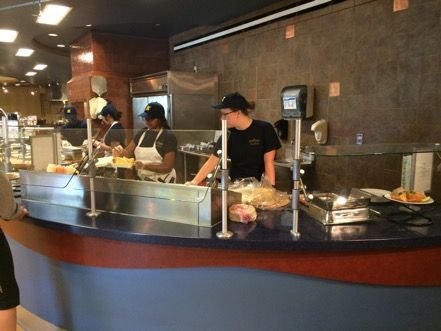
x=330 y=208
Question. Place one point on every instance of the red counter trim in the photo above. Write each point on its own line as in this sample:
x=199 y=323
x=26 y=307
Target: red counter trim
x=412 y=267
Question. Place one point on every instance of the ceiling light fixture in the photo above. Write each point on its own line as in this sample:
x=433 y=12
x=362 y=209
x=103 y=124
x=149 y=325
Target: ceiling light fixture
x=24 y=52
x=8 y=36
x=52 y=35
x=40 y=66
x=61 y=46
x=53 y=14
x=30 y=73
x=251 y=24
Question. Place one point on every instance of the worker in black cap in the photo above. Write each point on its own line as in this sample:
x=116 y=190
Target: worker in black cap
x=252 y=144
x=154 y=147
x=75 y=130
x=115 y=134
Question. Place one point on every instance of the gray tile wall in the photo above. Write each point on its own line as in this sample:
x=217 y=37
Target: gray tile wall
x=388 y=65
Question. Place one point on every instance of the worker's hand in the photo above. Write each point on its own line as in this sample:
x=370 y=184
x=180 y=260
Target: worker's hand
x=191 y=182
x=117 y=151
x=139 y=165
x=22 y=212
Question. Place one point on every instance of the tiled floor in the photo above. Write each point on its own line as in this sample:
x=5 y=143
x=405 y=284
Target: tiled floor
x=27 y=321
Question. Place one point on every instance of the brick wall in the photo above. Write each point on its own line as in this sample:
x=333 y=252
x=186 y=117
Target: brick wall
x=117 y=58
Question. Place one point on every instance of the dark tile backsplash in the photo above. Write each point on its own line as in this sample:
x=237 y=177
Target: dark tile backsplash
x=388 y=66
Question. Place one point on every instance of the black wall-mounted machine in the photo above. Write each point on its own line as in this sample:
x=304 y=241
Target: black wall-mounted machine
x=297 y=102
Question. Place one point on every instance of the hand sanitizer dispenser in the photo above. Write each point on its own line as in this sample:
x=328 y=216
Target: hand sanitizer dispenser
x=297 y=102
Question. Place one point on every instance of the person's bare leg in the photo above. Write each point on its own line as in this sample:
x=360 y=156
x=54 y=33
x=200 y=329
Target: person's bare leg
x=8 y=319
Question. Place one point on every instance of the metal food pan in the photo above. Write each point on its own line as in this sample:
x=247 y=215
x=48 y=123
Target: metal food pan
x=331 y=201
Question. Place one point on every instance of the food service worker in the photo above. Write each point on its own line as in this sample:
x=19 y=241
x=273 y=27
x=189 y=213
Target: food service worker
x=154 y=147
x=75 y=131
x=9 y=292
x=115 y=134
x=252 y=144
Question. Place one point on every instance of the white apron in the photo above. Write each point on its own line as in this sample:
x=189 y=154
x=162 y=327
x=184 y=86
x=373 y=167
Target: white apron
x=108 y=153
x=150 y=155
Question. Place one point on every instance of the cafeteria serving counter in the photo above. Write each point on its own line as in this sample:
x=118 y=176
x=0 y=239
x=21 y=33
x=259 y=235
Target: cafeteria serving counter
x=118 y=271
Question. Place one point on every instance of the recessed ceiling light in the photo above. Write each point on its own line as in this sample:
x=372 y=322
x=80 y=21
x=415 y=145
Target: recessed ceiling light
x=8 y=36
x=88 y=25
x=31 y=73
x=24 y=52
x=17 y=84
x=52 y=35
x=40 y=66
x=61 y=46
x=53 y=14
x=32 y=93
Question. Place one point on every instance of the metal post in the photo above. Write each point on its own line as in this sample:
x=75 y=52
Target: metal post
x=296 y=181
x=91 y=170
x=224 y=234
x=6 y=151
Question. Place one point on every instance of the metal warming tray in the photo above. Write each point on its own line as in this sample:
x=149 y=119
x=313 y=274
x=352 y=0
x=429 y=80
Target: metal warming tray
x=329 y=208
x=179 y=203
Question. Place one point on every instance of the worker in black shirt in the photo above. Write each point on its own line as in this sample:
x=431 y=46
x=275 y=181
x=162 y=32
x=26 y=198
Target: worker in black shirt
x=154 y=148
x=75 y=131
x=252 y=144
x=115 y=134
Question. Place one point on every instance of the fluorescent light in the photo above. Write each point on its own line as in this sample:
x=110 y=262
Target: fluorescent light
x=31 y=73
x=251 y=24
x=8 y=36
x=60 y=45
x=24 y=52
x=40 y=66
x=53 y=14
x=52 y=35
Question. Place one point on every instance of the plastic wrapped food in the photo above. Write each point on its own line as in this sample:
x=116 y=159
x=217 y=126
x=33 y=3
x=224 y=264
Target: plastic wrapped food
x=260 y=194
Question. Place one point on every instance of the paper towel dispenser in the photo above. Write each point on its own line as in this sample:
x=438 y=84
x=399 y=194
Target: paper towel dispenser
x=297 y=102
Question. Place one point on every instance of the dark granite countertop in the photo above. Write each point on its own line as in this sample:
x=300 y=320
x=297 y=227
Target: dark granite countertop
x=270 y=231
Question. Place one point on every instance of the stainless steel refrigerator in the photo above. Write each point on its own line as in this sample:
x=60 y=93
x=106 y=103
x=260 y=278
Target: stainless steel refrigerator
x=187 y=98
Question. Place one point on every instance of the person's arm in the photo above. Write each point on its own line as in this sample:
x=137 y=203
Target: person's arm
x=168 y=162
x=208 y=167
x=126 y=152
x=108 y=148
x=270 y=172
x=9 y=209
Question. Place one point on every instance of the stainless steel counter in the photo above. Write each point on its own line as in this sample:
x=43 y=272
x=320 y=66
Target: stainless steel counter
x=166 y=202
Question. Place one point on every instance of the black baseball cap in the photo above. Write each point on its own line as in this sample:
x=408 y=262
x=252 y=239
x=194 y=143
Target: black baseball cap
x=153 y=110
x=234 y=101
x=108 y=109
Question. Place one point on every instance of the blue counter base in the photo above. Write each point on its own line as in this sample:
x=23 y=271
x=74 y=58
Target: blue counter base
x=88 y=298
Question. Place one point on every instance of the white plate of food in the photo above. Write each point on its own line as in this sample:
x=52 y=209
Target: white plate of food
x=425 y=201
